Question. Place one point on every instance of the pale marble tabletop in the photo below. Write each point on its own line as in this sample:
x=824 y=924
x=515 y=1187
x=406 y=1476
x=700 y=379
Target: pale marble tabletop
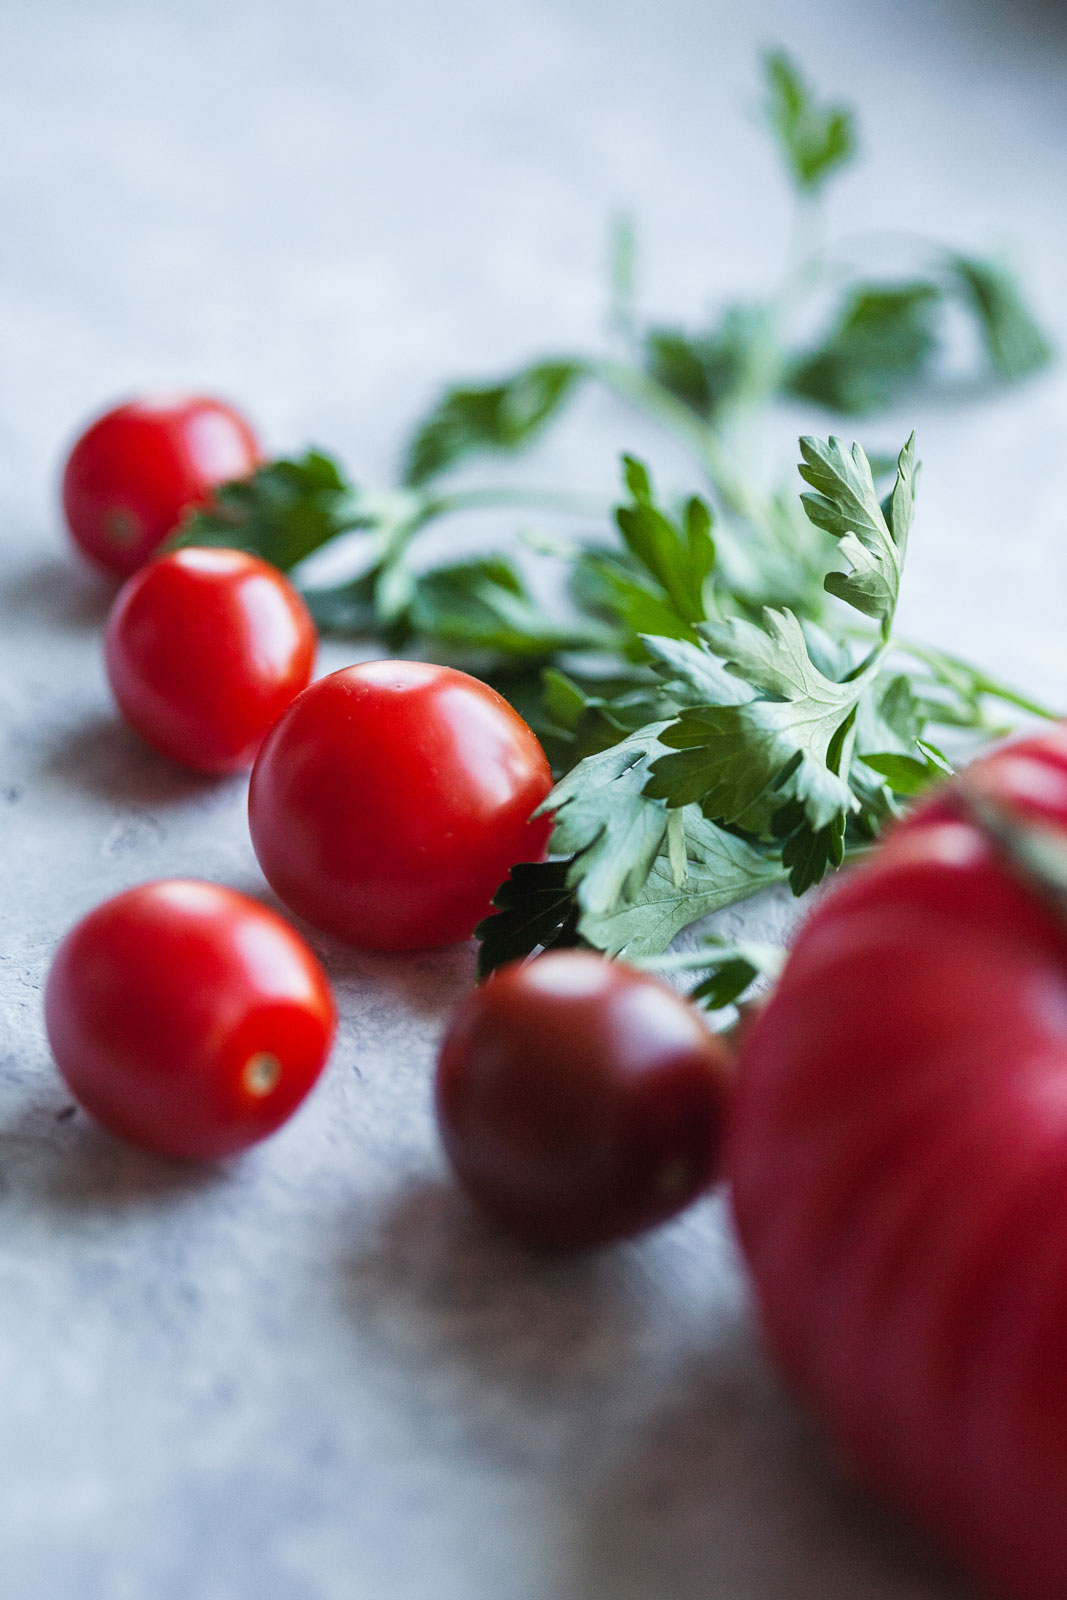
x=315 y=1374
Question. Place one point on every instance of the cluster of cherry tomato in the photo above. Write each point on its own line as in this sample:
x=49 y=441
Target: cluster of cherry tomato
x=897 y=1141
x=579 y=1100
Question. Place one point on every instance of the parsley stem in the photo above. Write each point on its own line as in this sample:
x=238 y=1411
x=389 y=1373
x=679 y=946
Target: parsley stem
x=414 y=514
x=701 y=440
x=978 y=682
x=768 y=958
x=564 y=502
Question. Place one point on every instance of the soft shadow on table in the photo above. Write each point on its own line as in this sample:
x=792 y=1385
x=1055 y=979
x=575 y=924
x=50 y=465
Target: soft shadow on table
x=53 y=593
x=449 y=1294
x=682 y=1473
x=52 y=1154
x=726 y=1490
x=104 y=758
x=427 y=981
x=1032 y=16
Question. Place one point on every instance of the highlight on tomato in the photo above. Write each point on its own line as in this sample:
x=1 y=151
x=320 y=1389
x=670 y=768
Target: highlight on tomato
x=390 y=800
x=136 y=470
x=205 y=648
x=580 y=1100
x=188 y=1018
x=898 y=1155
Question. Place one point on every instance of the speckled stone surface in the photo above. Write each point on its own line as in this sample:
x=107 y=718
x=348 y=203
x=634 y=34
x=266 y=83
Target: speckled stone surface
x=314 y=1374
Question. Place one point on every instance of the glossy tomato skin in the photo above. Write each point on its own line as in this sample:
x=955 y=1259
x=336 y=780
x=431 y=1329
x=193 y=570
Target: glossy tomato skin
x=580 y=1100
x=135 y=471
x=898 y=1152
x=389 y=802
x=188 y=1018
x=204 y=651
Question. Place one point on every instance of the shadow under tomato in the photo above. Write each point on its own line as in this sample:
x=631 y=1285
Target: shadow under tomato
x=53 y=1154
x=56 y=593
x=726 y=1489
x=507 y=1335
x=106 y=759
x=428 y=982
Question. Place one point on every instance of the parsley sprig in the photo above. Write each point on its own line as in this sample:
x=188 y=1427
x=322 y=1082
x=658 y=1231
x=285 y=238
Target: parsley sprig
x=716 y=679
x=777 y=749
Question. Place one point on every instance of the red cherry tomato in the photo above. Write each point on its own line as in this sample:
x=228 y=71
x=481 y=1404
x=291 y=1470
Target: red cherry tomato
x=580 y=1100
x=187 y=1018
x=898 y=1151
x=391 y=799
x=204 y=650
x=137 y=469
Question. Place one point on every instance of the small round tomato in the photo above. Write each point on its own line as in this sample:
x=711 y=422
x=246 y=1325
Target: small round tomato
x=188 y=1018
x=204 y=650
x=389 y=802
x=134 y=473
x=580 y=1100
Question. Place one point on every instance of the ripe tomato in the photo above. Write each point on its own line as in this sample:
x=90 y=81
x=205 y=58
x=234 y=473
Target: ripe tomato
x=898 y=1150
x=391 y=799
x=138 y=468
x=204 y=650
x=187 y=1018
x=580 y=1100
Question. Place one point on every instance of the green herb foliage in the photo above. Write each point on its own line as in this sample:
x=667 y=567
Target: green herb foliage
x=716 y=676
x=815 y=140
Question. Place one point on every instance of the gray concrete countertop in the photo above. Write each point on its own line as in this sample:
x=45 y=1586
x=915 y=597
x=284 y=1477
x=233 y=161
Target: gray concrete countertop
x=314 y=1374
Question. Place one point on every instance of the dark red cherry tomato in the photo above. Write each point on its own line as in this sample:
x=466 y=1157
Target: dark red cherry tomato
x=205 y=649
x=580 y=1100
x=137 y=469
x=389 y=802
x=187 y=1018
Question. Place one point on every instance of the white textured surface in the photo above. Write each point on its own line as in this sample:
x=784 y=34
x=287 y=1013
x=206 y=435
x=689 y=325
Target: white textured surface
x=314 y=1375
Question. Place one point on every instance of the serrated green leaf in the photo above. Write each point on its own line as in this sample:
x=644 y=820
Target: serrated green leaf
x=636 y=478
x=501 y=416
x=882 y=341
x=283 y=512
x=348 y=608
x=846 y=505
x=808 y=853
x=773 y=657
x=908 y=775
x=814 y=139
x=740 y=762
x=677 y=555
x=890 y=717
x=564 y=700
x=536 y=909
x=694 y=676
x=1015 y=344
x=603 y=817
x=733 y=966
x=740 y=359
x=720 y=870
x=898 y=508
x=729 y=982
x=484 y=604
x=603 y=585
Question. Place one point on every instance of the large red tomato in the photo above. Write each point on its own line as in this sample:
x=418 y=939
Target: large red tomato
x=898 y=1153
x=205 y=649
x=134 y=473
x=188 y=1018
x=389 y=802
